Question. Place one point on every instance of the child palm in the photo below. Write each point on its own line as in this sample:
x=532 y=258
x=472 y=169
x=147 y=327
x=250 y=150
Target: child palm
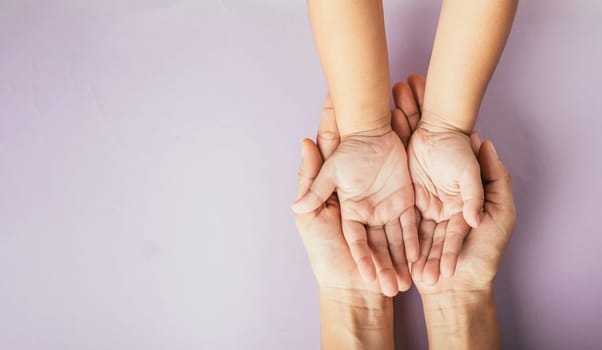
x=448 y=188
x=480 y=255
x=446 y=174
x=374 y=188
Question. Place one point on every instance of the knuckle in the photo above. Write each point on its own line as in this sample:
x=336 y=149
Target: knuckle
x=328 y=135
x=358 y=244
x=378 y=245
x=365 y=261
x=396 y=243
x=317 y=196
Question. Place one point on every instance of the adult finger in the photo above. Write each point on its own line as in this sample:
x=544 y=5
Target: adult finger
x=431 y=271
x=426 y=231
x=410 y=234
x=328 y=132
x=319 y=191
x=311 y=161
x=498 y=185
x=471 y=191
x=377 y=241
x=493 y=170
x=404 y=100
x=356 y=237
x=456 y=232
x=398 y=257
x=418 y=86
x=400 y=125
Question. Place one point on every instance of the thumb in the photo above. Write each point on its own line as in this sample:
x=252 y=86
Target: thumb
x=328 y=132
x=318 y=193
x=496 y=176
x=311 y=162
x=471 y=191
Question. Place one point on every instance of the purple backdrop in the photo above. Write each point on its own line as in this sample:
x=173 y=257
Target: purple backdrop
x=148 y=155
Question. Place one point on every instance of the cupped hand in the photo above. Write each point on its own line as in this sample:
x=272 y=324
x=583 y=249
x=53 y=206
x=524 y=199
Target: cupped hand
x=322 y=235
x=373 y=189
x=447 y=183
x=446 y=173
x=481 y=253
x=372 y=181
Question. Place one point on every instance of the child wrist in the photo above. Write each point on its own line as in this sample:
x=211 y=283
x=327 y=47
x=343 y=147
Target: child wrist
x=438 y=122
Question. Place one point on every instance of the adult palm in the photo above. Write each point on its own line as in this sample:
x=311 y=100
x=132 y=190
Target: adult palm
x=322 y=236
x=321 y=229
x=376 y=196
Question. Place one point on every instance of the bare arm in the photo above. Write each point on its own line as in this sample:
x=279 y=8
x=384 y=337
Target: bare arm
x=355 y=320
x=351 y=42
x=464 y=320
x=369 y=167
x=470 y=38
x=460 y=312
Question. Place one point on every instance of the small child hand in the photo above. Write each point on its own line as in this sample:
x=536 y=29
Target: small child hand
x=372 y=180
x=447 y=182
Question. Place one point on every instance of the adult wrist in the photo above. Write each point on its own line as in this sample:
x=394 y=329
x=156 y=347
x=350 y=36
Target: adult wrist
x=462 y=319
x=355 y=319
x=459 y=298
x=359 y=299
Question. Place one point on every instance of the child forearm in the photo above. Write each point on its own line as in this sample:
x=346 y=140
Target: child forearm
x=470 y=38
x=351 y=42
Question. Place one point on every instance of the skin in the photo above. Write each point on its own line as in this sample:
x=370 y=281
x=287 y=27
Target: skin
x=470 y=38
x=354 y=313
x=373 y=196
x=369 y=168
x=351 y=42
x=459 y=311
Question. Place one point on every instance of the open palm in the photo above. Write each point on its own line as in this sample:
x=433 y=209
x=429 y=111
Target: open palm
x=448 y=188
x=375 y=193
x=481 y=253
x=321 y=232
x=444 y=170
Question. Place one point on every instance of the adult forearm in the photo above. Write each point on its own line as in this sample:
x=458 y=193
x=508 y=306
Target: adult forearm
x=462 y=321
x=355 y=320
x=351 y=42
x=470 y=38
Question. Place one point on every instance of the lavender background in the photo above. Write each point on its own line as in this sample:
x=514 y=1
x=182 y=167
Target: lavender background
x=148 y=155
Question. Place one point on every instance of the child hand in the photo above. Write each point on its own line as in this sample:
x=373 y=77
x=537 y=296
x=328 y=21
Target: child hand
x=374 y=188
x=447 y=182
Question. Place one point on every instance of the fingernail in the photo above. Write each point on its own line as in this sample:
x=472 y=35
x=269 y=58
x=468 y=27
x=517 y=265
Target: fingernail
x=494 y=151
x=303 y=148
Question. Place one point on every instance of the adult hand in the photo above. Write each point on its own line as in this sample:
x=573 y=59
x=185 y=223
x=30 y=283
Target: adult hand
x=460 y=311
x=353 y=313
x=321 y=229
x=322 y=235
x=481 y=253
x=370 y=174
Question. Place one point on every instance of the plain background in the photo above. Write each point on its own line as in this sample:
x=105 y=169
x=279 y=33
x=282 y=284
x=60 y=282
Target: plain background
x=149 y=152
